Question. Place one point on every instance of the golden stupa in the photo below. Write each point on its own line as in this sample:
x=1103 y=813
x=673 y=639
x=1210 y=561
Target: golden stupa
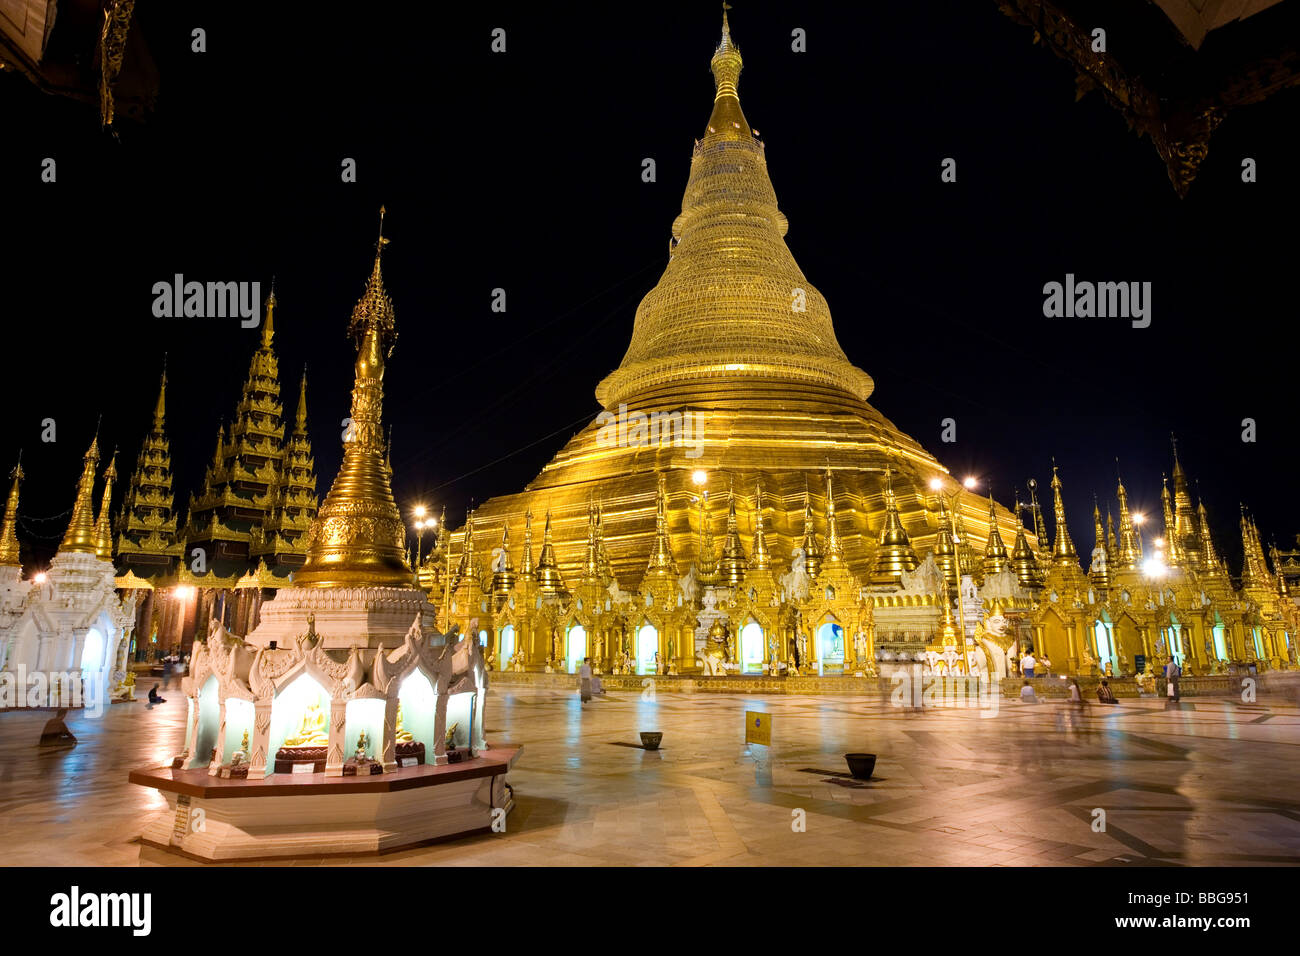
x=357 y=537
x=740 y=345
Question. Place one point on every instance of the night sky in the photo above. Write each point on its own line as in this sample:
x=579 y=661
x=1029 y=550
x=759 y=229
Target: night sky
x=523 y=171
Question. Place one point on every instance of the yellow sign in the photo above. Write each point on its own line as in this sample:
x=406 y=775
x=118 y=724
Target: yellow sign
x=758 y=728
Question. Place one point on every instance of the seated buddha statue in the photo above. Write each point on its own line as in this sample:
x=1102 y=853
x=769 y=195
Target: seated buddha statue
x=403 y=735
x=314 y=730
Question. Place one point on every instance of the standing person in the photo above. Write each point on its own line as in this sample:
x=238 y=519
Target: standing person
x=584 y=679
x=1046 y=665
x=1172 y=673
x=1027 y=664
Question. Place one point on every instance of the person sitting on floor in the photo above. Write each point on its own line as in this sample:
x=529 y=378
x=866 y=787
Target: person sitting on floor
x=1027 y=695
x=153 y=696
x=1104 y=693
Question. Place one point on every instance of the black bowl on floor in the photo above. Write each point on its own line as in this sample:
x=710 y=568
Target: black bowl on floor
x=861 y=766
x=650 y=739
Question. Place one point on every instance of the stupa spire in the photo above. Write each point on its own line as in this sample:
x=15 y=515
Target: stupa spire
x=358 y=537
x=9 y=550
x=996 y=559
x=160 y=407
x=1100 y=577
x=268 y=322
x=812 y=548
x=1063 y=552
x=732 y=567
x=526 y=570
x=80 y=535
x=549 y=580
x=894 y=553
x=1130 y=550
x=1209 y=556
x=710 y=321
x=945 y=548
x=760 y=559
x=503 y=578
x=834 y=546
x=706 y=560
x=103 y=524
x=1023 y=558
x=1173 y=546
x=661 y=554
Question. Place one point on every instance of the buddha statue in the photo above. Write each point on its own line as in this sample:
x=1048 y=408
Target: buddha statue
x=314 y=729
x=402 y=735
x=241 y=754
x=362 y=743
x=451 y=734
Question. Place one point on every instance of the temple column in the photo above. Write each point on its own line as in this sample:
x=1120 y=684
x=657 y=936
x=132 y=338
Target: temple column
x=439 y=725
x=214 y=765
x=389 y=754
x=259 y=758
x=182 y=760
x=338 y=726
x=1072 y=647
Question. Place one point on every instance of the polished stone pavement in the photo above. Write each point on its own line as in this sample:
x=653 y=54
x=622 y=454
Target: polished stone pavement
x=1215 y=782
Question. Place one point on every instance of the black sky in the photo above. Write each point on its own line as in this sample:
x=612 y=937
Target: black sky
x=523 y=171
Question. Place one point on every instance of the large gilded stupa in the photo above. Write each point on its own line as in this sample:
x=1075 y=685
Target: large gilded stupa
x=734 y=371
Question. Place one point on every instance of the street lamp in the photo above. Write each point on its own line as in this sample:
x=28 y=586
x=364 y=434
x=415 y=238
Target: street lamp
x=420 y=524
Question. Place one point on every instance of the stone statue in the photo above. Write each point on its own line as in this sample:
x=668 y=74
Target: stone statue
x=1098 y=565
x=498 y=560
x=801 y=642
x=860 y=645
x=796 y=581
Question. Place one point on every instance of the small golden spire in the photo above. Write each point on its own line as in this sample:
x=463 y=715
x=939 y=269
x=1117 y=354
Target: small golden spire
x=812 y=547
x=995 y=552
x=1023 y=558
x=591 y=567
x=760 y=558
x=834 y=546
x=945 y=548
x=504 y=579
x=1099 y=577
x=733 y=564
x=526 y=571
x=549 y=579
x=358 y=537
x=661 y=554
x=300 y=416
x=1209 y=556
x=9 y=550
x=894 y=554
x=268 y=323
x=1063 y=552
x=160 y=408
x=706 y=559
x=1173 y=547
x=80 y=535
x=103 y=524
x=1130 y=548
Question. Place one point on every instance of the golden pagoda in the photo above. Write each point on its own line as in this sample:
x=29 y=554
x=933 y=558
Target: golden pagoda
x=103 y=523
x=147 y=543
x=358 y=538
x=80 y=536
x=734 y=341
x=9 y=549
x=282 y=537
x=239 y=486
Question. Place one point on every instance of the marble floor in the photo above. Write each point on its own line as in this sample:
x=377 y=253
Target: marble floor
x=1215 y=782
